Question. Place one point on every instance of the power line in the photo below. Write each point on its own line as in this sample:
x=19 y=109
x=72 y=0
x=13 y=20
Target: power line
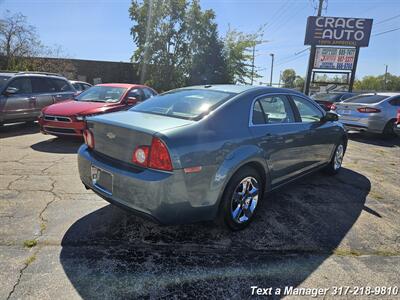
x=388 y=19
x=387 y=31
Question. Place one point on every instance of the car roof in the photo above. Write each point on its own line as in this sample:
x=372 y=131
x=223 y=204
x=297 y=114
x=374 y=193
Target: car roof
x=238 y=89
x=36 y=74
x=77 y=81
x=335 y=93
x=121 y=85
x=382 y=94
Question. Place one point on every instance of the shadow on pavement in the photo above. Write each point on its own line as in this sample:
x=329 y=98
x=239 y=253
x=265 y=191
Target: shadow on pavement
x=17 y=129
x=374 y=139
x=59 y=145
x=112 y=254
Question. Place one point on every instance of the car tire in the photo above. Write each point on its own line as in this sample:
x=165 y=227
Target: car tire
x=335 y=164
x=237 y=211
x=388 y=131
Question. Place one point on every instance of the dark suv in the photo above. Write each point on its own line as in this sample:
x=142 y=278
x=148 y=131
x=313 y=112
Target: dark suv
x=24 y=94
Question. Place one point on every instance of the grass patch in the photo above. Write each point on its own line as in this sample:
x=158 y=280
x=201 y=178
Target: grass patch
x=42 y=227
x=340 y=252
x=30 y=259
x=30 y=243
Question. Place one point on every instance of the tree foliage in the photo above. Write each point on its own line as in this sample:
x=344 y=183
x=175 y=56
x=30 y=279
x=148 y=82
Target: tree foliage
x=238 y=53
x=377 y=83
x=177 y=44
x=288 y=78
x=22 y=50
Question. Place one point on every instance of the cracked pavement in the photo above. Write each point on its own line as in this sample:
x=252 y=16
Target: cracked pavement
x=318 y=232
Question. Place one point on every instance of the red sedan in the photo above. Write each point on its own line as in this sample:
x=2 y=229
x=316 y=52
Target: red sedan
x=68 y=117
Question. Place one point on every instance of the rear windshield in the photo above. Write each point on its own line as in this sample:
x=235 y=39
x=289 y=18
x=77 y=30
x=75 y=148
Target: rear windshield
x=102 y=94
x=327 y=97
x=185 y=104
x=3 y=80
x=366 y=99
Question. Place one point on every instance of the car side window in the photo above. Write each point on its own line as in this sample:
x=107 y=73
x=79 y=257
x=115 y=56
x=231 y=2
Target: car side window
x=137 y=93
x=42 y=85
x=61 y=85
x=147 y=93
x=85 y=86
x=77 y=86
x=308 y=112
x=272 y=109
x=395 y=101
x=23 y=85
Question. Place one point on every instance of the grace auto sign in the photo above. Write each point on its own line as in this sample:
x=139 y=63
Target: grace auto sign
x=336 y=31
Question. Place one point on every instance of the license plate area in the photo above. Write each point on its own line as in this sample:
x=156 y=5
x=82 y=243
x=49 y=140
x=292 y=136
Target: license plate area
x=102 y=179
x=345 y=111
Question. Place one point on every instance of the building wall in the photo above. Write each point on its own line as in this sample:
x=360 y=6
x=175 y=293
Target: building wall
x=103 y=71
x=92 y=71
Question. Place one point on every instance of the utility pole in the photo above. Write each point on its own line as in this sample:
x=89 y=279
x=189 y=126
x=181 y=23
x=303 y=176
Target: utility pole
x=386 y=68
x=252 y=64
x=280 y=77
x=272 y=68
x=312 y=56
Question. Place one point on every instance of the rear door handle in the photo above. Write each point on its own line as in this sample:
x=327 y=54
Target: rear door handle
x=58 y=96
x=32 y=98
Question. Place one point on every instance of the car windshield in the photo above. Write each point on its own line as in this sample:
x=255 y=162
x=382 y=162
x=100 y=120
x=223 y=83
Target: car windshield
x=3 y=80
x=102 y=94
x=185 y=104
x=327 y=97
x=366 y=99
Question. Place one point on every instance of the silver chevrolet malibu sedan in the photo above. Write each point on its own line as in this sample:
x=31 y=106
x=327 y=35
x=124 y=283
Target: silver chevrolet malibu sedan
x=208 y=152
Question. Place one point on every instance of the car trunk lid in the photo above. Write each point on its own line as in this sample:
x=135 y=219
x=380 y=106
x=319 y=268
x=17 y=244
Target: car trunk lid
x=117 y=135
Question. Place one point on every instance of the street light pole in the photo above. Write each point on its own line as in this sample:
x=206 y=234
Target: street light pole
x=386 y=68
x=272 y=68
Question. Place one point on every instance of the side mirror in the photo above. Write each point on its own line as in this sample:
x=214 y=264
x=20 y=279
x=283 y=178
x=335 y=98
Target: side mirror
x=330 y=117
x=132 y=101
x=10 y=91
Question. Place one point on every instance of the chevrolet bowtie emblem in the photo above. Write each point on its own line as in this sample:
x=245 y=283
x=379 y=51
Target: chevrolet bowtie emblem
x=111 y=135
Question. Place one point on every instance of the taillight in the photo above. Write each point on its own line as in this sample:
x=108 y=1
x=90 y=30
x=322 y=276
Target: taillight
x=89 y=138
x=368 y=110
x=398 y=116
x=156 y=156
x=333 y=106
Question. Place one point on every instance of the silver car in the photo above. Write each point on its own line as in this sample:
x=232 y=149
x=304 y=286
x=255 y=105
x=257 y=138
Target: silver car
x=370 y=112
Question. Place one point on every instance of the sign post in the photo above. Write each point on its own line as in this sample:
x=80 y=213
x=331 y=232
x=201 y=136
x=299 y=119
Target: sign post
x=334 y=32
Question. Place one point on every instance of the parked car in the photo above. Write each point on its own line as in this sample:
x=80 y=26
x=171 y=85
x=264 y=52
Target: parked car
x=370 y=112
x=200 y=153
x=397 y=124
x=68 y=118
x=24 y=94
x=327 y=100
x=80 y=86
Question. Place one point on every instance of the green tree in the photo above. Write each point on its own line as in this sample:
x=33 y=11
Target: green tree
x=160 y=34
x=239 y=57
x=206 y=63
x=377 y=83
x=299 y=83
x=288 y=78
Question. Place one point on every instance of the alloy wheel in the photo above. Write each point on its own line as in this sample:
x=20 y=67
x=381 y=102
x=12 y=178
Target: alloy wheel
x=244 y=200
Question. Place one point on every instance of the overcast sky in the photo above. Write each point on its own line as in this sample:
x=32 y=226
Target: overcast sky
x=100 y=29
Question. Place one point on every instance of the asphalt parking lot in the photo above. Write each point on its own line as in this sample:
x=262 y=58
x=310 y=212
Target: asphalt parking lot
x=58 y=240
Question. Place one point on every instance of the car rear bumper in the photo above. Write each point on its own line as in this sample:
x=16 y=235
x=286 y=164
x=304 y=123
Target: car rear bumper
x=73 y=128
x=367 y=123
x=166 y=197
